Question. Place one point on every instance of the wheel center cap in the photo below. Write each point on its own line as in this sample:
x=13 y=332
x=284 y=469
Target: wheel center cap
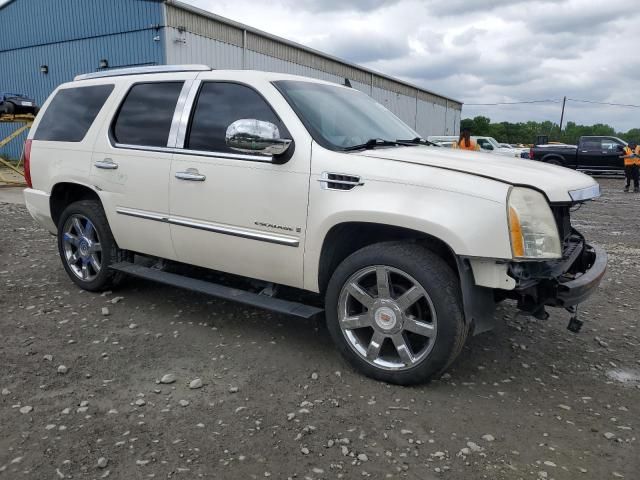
x=84 y=247
x=385 y=318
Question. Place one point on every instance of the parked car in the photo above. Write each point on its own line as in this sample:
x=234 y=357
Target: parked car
x=592 y=154
x=487 y=144
x=16 y=103
x=490 y=144
x=276 y=178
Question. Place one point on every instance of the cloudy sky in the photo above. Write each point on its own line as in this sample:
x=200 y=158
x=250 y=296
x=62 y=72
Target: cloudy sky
x=478 y=51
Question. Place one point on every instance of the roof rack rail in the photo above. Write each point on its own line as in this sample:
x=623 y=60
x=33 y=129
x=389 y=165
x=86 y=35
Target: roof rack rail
x=119 y=72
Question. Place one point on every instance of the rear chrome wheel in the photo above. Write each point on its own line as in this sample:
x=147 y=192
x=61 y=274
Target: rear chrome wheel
x=387 y=317
x=82 y=247
x=87 y=247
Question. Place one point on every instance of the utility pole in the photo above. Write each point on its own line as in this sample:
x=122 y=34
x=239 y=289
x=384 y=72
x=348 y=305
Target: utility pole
x=564 y=101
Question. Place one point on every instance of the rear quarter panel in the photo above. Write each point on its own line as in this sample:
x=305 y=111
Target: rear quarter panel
x=57 y=162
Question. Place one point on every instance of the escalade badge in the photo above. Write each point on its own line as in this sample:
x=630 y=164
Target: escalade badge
x=278 y=227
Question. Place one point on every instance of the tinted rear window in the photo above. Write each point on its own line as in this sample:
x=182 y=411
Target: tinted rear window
x=71 y=113
x=146 y=114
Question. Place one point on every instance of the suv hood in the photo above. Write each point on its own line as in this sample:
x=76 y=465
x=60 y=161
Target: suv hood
x=559 y=184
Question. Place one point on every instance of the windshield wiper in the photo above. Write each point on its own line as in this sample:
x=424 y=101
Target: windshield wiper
x=373 y=143
x=416 y=141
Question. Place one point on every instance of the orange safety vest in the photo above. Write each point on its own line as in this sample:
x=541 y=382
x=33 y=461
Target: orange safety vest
x=463 y=146
x=629 y=160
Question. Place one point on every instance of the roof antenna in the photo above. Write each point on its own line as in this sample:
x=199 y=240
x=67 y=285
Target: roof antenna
x=347 y=83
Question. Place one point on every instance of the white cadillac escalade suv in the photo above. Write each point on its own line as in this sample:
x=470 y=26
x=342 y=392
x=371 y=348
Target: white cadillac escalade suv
x=295 y=182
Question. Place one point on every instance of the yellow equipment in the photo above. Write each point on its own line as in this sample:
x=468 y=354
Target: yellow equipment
x=25 y=122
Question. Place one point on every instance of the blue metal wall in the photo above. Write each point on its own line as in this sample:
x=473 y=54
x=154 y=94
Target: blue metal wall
x=71 y=37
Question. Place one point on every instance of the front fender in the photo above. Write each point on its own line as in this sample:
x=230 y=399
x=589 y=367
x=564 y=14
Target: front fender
x=469 y=225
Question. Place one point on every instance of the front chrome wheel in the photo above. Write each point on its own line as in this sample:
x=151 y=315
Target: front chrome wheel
x=387 y=317
x=82 y=248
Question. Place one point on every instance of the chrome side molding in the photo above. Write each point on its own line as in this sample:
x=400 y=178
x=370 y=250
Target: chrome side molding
x=286 y=240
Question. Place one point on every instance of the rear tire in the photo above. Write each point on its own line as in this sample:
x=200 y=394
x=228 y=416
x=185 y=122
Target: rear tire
x=555 y=161
x=404 y=331
x=87 y=247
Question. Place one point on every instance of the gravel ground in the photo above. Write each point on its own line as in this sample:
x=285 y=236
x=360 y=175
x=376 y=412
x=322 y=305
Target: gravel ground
x=82 y=392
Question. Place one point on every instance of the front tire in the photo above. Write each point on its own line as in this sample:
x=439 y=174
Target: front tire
x=395 y=312
x=87 y=247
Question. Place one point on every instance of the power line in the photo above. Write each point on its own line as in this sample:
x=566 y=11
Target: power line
x=513 y=103
x=550 y=100
x=604 y=103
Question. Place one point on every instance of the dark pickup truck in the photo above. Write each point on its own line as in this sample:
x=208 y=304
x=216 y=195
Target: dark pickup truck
x=593 y=154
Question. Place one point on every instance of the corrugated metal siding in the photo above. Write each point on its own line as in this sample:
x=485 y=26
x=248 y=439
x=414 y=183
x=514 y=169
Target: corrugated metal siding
x=426 y=118
x=453 y=121
x=216 y=29
x=204 y=26
x=431 y=119
x=259 y=61
x=186 y=47
x=36 y=22
x=363 y=87
x=20 y=67
x=402 y=106
x=304 y=58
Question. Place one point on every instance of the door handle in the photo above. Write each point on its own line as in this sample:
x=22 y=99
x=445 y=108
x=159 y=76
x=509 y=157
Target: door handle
x=191 y=174
x=106 y=164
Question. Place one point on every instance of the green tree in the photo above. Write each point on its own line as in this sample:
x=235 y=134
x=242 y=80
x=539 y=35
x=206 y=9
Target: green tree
x=526 y=132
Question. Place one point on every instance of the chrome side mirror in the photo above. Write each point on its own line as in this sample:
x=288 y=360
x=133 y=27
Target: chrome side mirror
x=256 y=137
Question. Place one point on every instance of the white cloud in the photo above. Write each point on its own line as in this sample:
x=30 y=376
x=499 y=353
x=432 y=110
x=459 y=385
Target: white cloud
x=477 y=51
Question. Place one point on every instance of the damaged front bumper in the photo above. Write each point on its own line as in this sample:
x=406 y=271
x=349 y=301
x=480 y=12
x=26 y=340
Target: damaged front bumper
x=562 y=283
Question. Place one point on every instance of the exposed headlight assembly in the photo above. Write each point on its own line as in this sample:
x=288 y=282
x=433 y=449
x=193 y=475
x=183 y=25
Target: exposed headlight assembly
x=532 y=228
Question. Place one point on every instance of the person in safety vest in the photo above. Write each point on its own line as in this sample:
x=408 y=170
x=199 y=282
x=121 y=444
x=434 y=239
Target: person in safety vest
x=465 y=142
x=631 y=156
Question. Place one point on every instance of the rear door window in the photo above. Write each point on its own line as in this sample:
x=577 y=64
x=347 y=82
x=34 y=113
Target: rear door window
x=146 y=114
x=591 y=145
x=71 y=113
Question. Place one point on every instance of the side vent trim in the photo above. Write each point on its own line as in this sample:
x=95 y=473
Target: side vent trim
x=342 y=182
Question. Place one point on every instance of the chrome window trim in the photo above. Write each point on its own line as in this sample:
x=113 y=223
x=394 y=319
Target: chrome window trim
x=228 y=155
x=183 y=124
x=215 y=228
x=178 y=113
x=198 y=153
x=587 y=193
x=180 y=124
x=143 y=148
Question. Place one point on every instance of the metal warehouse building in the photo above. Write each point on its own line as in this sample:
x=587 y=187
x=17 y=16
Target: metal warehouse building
x=47 y=42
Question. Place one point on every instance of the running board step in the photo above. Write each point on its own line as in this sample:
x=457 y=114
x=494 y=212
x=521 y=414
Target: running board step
x=220 y=291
